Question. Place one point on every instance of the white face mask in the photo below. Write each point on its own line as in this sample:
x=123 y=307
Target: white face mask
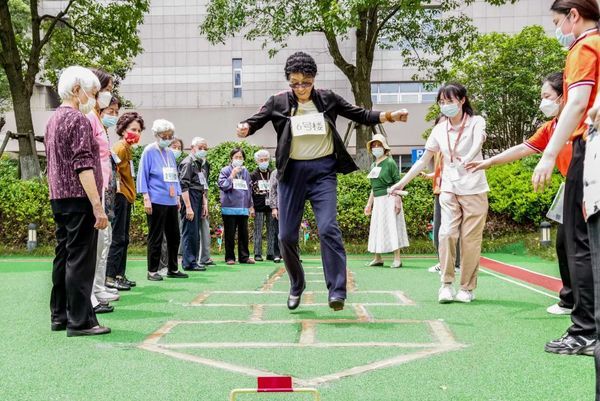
x=549 y=107
x=104 y=99
x=87 y=107
x=377 y=152
x=237 y=163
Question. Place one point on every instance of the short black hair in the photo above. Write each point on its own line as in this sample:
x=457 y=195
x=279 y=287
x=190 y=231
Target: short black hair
x=236 y=150
x=555 y=80
x=457 y=91
x=300 y=62
x=103 y=76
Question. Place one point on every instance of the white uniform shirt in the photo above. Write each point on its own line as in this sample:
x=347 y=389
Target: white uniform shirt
x=465 y=183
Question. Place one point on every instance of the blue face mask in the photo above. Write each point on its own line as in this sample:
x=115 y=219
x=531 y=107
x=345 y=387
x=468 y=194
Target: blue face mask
x=263 y=166
x=176 y=152
x=109 y=121
x=165 y=143
x=377 y=152
x=450 y=110
x=565 y=40
x=201 y=154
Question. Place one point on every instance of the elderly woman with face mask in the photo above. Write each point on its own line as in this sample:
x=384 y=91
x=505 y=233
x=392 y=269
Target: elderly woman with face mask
x=75 y=183
x=158 y=182
x=260 y=192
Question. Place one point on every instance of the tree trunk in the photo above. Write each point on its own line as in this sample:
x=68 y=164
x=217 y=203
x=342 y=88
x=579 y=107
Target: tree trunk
x=29 y=167
x=361 y=88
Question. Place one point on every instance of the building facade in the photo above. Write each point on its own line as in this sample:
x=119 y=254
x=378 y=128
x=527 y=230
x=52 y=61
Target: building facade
x=205 y=90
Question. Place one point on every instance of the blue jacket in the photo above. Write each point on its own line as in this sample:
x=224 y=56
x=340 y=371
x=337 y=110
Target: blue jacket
x=235 y=201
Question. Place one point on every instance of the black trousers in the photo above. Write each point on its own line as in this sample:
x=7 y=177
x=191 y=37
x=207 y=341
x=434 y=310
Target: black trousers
x=231 y=224
x=566 y=293
x=164 y=220
x=578 y=246
x=117 y=254
x=73 y=270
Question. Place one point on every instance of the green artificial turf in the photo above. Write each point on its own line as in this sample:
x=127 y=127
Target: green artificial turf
x=503 y=333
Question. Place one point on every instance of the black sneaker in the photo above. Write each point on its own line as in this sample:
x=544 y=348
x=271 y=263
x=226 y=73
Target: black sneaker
x=154 y=276
x=269 y=257
x=197 y=268
x=117 y=284
x=177 y=274
x=570 y=344
x=128 y=282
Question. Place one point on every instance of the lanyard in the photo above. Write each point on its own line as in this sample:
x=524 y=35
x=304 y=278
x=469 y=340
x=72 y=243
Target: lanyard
x=460 y=132
x=165 y=161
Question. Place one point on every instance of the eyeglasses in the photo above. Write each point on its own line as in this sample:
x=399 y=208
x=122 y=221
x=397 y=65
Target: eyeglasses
x=444 y=102
x=297 y=85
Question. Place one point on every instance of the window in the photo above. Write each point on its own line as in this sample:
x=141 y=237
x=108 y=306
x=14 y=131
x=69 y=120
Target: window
x=402 y=92
x=236 y=65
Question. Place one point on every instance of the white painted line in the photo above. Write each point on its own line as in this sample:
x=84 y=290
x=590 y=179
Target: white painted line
x=257 y=312
x=274 y=345
x=519 y=284
x=362 y=313
x=522 y=268
x=403 y=298
x=308 y=334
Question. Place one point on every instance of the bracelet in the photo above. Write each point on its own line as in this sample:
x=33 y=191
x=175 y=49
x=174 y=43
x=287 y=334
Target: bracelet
x=388 y=117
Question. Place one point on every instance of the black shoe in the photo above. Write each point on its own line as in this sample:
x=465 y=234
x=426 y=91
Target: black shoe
x=258 y=258
x=210 y=263
x=336 y=304
x=58 y=326
x=117 y=284
x=293 y=301
x=94 y=331
x=177 y=274
x=100 y=308
x=269 y=257
x=277 y=259
x=154 y=276
x=197 y=268
x=126 y=281
x=570 y=344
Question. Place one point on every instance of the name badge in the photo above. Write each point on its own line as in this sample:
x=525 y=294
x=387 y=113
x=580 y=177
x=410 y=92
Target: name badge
x=374 y=173
x=132 y=168
x=116 y=158
x=453 y=173
x=240 y=184
x=170 y=174
x=263 y=185
x=202 y=179
x=309 y=124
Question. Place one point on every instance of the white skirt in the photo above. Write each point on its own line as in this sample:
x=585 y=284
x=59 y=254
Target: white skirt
x=388 y=229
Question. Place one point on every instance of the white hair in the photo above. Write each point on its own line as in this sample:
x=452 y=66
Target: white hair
x=159 y=126
x=76 y=75
x=198 y=141
x=262 y=153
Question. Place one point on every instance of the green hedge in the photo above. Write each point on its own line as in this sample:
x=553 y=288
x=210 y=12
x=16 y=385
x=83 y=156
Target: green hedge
x=513 y=204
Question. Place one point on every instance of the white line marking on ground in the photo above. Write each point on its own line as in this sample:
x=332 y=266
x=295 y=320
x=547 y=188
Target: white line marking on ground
x=519 y=284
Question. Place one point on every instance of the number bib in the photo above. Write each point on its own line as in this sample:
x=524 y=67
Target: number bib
x=374 y=173
x=240 y=184
x=170 y=174
x=202 y=179
x=309 y=124
x=263 y=185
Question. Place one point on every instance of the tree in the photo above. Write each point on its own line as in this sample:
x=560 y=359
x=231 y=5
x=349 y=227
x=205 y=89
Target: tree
x=428 y=33
x=503 y=74
x=36 y=47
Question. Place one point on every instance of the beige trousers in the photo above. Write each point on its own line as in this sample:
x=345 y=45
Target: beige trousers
x=463 y=216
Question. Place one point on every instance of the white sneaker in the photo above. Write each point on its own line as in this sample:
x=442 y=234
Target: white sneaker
x=107 y=296
x=556 y=309
x=163 y=272
x=112 y=290
x=435 y=269
x=464 y=296
x=446 y=294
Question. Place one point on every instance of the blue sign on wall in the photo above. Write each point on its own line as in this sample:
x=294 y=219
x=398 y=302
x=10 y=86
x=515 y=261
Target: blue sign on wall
x=416 y=154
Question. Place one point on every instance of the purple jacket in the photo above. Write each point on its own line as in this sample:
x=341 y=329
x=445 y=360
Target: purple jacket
x=234 y=201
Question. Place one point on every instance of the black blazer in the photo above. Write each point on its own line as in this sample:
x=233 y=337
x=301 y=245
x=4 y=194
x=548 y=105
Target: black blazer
x=280 y=107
